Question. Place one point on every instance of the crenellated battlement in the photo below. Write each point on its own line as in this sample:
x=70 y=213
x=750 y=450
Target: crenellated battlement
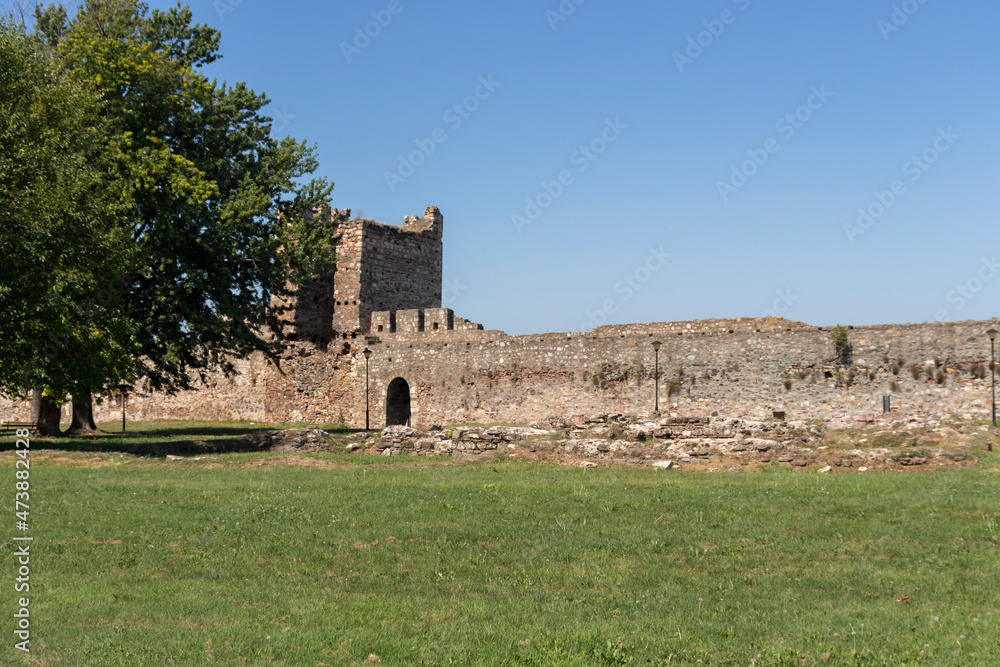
x=431 y=224
x=420 y=319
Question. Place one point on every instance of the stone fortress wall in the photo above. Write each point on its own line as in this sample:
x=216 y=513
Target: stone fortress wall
x=386 y=296
x=735 y=368
x=400 y=267
x=477 y=376
x=379 y=267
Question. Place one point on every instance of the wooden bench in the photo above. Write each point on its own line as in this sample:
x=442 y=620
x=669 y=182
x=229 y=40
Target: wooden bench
x=10 y=428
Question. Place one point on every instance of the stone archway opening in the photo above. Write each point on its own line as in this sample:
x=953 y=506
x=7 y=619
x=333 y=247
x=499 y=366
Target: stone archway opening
x=397 y=403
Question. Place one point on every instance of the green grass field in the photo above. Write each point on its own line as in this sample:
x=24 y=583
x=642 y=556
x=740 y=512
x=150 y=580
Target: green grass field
x=247 y=559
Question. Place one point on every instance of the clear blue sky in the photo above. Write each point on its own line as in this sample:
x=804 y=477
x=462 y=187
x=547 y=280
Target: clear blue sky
x=924 y=82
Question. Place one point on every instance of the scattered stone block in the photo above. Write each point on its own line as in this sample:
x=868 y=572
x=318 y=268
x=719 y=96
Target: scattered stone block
x=913 y=461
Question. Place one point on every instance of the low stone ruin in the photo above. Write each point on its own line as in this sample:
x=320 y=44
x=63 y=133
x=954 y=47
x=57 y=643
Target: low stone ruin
x=618 y=438
x=462 y=439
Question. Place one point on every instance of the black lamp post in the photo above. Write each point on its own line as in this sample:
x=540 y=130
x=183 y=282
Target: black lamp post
x=992 y=333
x=124 y=389
x=656 y=376
x=368 y=354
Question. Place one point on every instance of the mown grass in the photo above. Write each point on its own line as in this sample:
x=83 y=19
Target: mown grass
x=502 y=563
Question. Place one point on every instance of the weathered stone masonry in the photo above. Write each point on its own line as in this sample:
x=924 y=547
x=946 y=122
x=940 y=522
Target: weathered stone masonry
x=379 y=268
x=745 y=368
x=490 y=377
x=439 y=368
x=382 y=268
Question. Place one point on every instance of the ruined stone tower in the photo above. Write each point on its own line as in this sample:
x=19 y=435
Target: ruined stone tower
x=379 y=267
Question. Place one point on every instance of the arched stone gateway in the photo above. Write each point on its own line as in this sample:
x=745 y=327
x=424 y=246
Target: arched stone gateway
x=397 y=403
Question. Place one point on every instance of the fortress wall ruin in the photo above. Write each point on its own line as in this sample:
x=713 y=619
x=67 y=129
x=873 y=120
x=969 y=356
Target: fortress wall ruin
x=462 y=376
x=401 y=267
x=379 y=267
x=385 y=293
x=469 y=375
x=491 y=377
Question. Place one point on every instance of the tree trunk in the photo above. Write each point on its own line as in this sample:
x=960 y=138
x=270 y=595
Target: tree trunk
x=45 y=414
x=36 y=407
x=83 y=413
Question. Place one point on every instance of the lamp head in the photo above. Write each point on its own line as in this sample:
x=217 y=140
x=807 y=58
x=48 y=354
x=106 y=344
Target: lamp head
x=367 y=353
x=656 y=345
x=992 y=333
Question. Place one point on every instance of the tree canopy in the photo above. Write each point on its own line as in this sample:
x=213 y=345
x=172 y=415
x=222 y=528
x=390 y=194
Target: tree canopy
x=188 y=215
x=64 y=253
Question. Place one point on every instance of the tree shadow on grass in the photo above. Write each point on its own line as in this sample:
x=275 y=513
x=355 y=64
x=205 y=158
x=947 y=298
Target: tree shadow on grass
x=160 y=442
x=213 y=431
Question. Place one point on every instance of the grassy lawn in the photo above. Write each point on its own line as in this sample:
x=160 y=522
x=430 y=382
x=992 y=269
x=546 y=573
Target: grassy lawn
x=249 y=559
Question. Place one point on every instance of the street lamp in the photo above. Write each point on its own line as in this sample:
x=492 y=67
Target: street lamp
x=368 y=354
x=992 y=333
x=124 y=389
x=656 y=376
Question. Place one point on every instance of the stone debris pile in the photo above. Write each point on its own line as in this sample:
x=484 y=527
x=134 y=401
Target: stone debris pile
x=676 y=441
x=461 y=439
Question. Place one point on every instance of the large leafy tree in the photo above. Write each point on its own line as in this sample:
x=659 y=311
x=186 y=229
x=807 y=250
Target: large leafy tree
x=219 y=211
x=64 y=253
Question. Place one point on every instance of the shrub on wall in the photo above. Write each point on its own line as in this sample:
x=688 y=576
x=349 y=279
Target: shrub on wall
x=845 y=351
x=839 y=338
